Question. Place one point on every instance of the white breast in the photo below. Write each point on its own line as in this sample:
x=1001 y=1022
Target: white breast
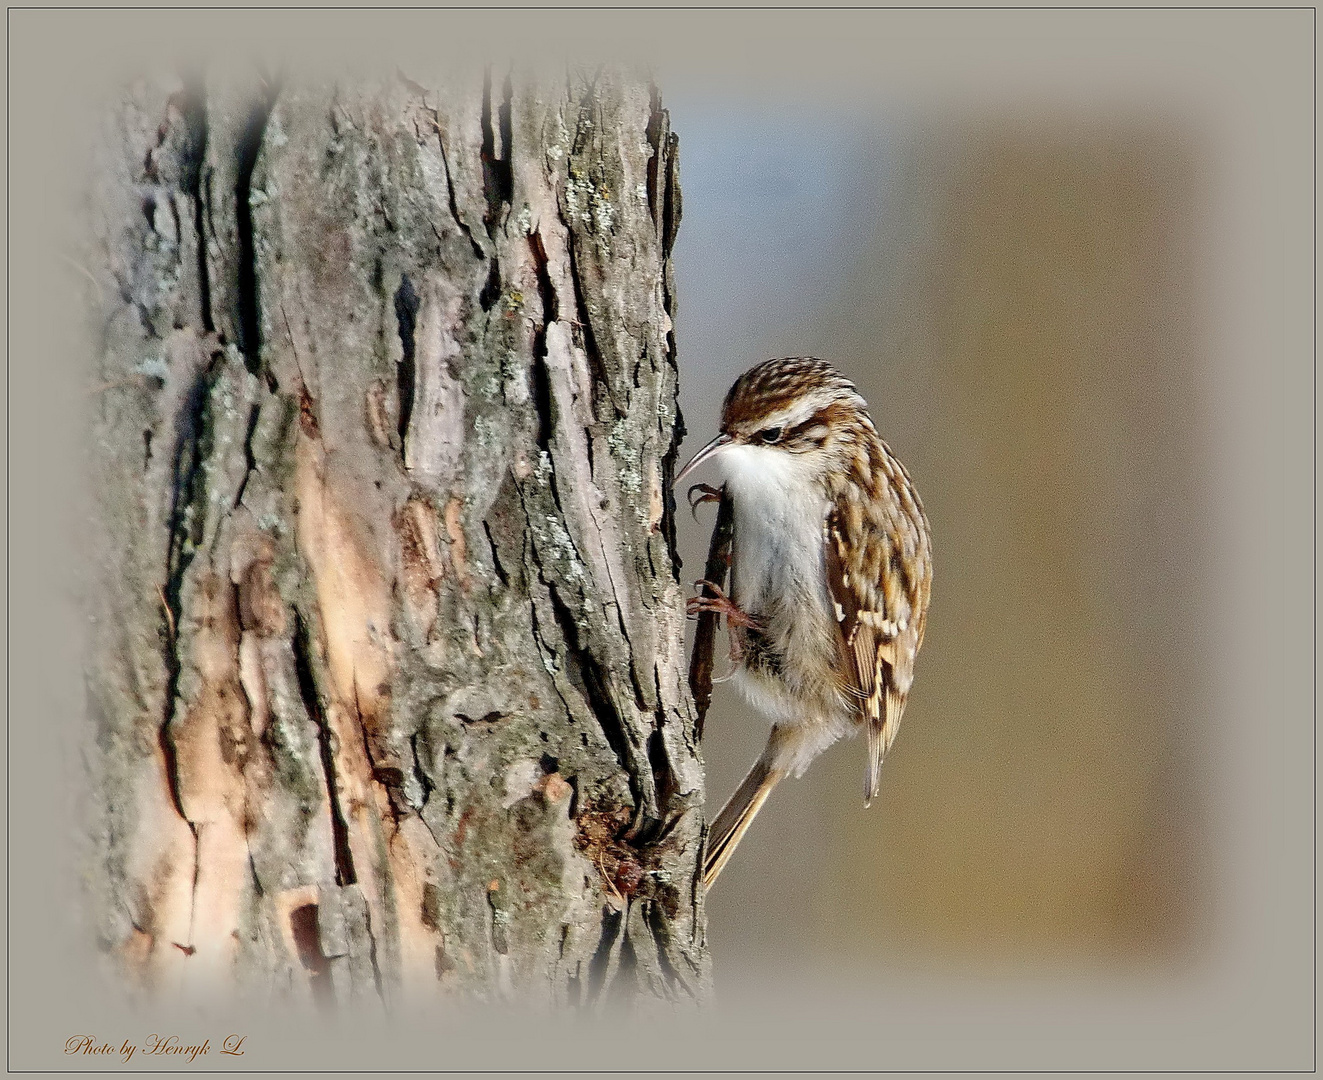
x=779 y=511
x=777 y=576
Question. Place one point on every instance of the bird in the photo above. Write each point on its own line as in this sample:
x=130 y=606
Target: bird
x=830 y=575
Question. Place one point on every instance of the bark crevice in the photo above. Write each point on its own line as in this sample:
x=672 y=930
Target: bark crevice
x=587 y=676
x=249 y=146
x=188 y=499
x=303 y=665
x=451 y=203
x=406 y=321
x=195 y=181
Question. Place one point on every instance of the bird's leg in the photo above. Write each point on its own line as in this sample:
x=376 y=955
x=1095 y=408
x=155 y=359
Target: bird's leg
x=736 y=622
x=736 y=637
x=719 y=604
x=706 y=494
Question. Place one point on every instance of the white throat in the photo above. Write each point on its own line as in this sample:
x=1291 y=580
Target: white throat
x=779 y=510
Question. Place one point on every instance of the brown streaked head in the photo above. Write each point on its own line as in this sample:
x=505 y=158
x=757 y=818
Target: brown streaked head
x=793 y=401
x=798 y=404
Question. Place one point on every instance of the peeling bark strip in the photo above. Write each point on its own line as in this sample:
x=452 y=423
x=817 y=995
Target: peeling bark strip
x=705 y=633
x=388 y=676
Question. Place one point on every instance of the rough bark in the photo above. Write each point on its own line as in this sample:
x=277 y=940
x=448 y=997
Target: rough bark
x=387 y=678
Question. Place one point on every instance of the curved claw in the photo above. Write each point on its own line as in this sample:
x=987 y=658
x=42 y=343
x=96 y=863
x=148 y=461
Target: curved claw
x=719 y=604
x=707 y=494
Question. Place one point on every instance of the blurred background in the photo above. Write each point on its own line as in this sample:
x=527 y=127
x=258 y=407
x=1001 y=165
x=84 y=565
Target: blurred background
x=1023 y=298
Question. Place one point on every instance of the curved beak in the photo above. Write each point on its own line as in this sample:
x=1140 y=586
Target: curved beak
x=700 y=457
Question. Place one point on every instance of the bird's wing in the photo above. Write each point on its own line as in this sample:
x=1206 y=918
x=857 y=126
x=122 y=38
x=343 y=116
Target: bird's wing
x=879 y=574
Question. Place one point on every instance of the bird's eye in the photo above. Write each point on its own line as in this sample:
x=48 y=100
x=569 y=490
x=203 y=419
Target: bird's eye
x=769 y=435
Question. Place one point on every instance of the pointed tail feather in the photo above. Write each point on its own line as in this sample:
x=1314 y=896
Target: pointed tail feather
x=881 y=734
x=873 y=768
x=736 y=816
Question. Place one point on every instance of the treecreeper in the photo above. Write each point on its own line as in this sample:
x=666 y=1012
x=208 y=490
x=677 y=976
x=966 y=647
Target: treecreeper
x=830 y=575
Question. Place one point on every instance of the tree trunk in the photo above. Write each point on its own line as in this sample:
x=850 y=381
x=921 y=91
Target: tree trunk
x=388 y=677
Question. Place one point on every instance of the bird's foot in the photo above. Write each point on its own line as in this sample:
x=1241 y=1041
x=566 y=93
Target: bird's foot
x=719 y=604
x=706 y=494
